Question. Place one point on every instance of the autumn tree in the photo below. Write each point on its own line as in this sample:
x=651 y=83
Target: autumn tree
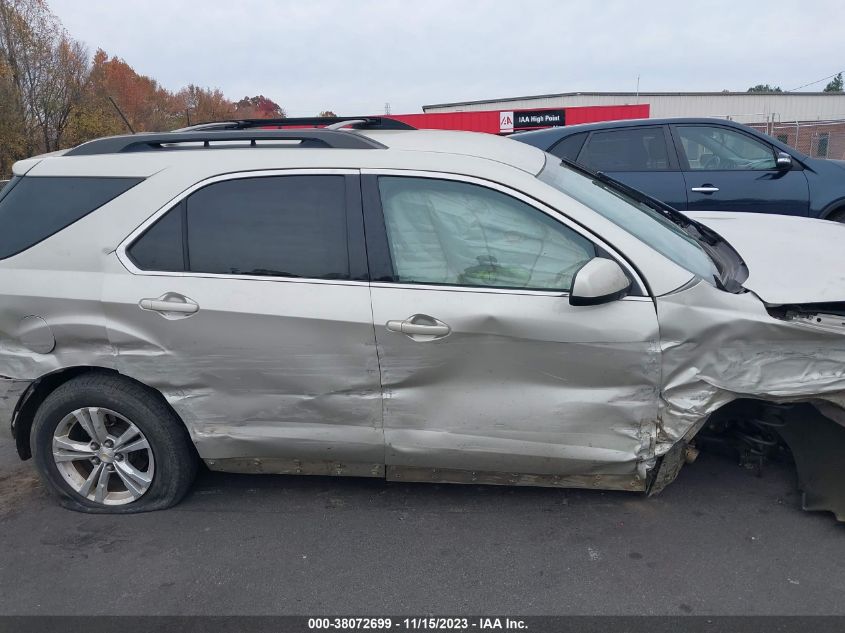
x=327 y=113
x=202 y=105
x=146 y=105
x=52 y=96
x=259 y=107
x=13 y=142
x=46 y=67
x=95 y=116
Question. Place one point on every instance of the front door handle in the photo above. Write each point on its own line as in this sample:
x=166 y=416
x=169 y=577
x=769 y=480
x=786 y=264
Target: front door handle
x=170 y=305
x=705 y=189
x=420 y=327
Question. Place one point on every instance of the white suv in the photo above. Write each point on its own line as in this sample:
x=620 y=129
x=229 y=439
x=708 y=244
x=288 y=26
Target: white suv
x=411 y=305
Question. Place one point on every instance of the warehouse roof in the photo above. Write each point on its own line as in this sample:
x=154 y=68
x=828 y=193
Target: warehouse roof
x=638 y=94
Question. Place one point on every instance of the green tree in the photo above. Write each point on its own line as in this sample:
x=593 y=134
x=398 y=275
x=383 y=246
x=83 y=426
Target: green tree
x=835 y=84
x=764 y=88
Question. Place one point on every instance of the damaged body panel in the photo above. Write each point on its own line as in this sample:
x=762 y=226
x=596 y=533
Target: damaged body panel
x=719 y=347
x=263 y=369
x=790 y=259
x=11 y=392
x=431 y=328
x=513 y=387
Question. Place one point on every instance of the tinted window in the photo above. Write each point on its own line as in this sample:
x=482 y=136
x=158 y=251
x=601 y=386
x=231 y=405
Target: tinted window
x=34 y=208
x=569 y=146
x=635 y=149
x=160 y=247
x=445 y=232
x=287 y=226
x=6 y=185
x=718 y=148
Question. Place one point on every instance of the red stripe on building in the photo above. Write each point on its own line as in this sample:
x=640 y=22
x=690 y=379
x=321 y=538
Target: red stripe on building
x=489 y=120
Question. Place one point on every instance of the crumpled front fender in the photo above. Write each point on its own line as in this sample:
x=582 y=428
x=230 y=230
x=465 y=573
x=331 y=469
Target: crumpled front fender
x=719 y=347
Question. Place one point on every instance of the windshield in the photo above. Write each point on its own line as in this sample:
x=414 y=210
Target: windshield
x=641 y=221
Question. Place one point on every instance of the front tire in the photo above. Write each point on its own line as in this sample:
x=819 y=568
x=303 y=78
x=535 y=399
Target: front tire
x=105 y=444
x=837 y=216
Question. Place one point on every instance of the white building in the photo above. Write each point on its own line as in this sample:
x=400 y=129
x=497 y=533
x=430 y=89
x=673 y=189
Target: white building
x=744 y=107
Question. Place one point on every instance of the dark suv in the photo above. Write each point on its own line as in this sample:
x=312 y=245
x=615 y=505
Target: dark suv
x=703 y=165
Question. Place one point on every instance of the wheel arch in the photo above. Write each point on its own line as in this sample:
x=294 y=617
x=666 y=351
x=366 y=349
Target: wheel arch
x=834 y=208
x=813 y=429
x=41 y=388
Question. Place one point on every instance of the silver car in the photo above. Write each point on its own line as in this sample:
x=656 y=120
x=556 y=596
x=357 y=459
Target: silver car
x=402 y=304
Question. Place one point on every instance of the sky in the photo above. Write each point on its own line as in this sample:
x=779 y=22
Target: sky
x=353 y=57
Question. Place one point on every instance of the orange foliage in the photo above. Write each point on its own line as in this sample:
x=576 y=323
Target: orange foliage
x=150 y=107
x=52 y=96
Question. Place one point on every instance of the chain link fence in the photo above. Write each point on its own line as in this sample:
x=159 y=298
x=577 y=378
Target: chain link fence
x=820 y=139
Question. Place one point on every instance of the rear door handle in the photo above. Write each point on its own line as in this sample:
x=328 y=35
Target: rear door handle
x=420 y=327
x=406 y=327
x=705 y=189
x=168 y=306
x=171 y=305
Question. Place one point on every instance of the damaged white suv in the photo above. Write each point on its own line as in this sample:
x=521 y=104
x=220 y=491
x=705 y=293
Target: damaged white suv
x=410 y=305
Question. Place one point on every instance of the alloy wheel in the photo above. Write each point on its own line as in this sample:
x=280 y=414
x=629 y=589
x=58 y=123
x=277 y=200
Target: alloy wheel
x=103 y=456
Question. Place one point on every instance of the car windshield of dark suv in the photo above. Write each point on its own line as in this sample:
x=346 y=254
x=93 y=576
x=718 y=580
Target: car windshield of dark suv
x=640 y=220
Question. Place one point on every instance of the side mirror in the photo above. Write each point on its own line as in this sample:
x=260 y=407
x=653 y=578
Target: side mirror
x=599 y=281
x=784 y=161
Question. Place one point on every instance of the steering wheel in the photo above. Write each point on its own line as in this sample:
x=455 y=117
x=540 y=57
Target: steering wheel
x=714 y=162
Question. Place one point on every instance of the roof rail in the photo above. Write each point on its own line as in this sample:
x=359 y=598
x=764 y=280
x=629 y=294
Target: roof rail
x=356 y=122
x=316 y=138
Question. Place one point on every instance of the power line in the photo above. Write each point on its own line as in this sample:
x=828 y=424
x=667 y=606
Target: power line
x=816 y=81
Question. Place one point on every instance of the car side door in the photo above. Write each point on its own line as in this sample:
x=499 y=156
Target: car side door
x=246 y=303
x=642 y=157
x=488 y=373
x=726 y=169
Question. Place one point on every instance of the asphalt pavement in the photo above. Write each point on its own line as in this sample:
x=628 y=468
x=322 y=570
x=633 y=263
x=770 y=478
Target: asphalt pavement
x=718 y=541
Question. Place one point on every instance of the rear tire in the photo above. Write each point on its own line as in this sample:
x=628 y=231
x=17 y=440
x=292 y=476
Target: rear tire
x=105 y=444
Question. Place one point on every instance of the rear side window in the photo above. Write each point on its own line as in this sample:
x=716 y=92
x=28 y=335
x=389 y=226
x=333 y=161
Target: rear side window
x=278 y=226
x=33 y=208
x=569 y=146
x=161 y=246
x=634 y=149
